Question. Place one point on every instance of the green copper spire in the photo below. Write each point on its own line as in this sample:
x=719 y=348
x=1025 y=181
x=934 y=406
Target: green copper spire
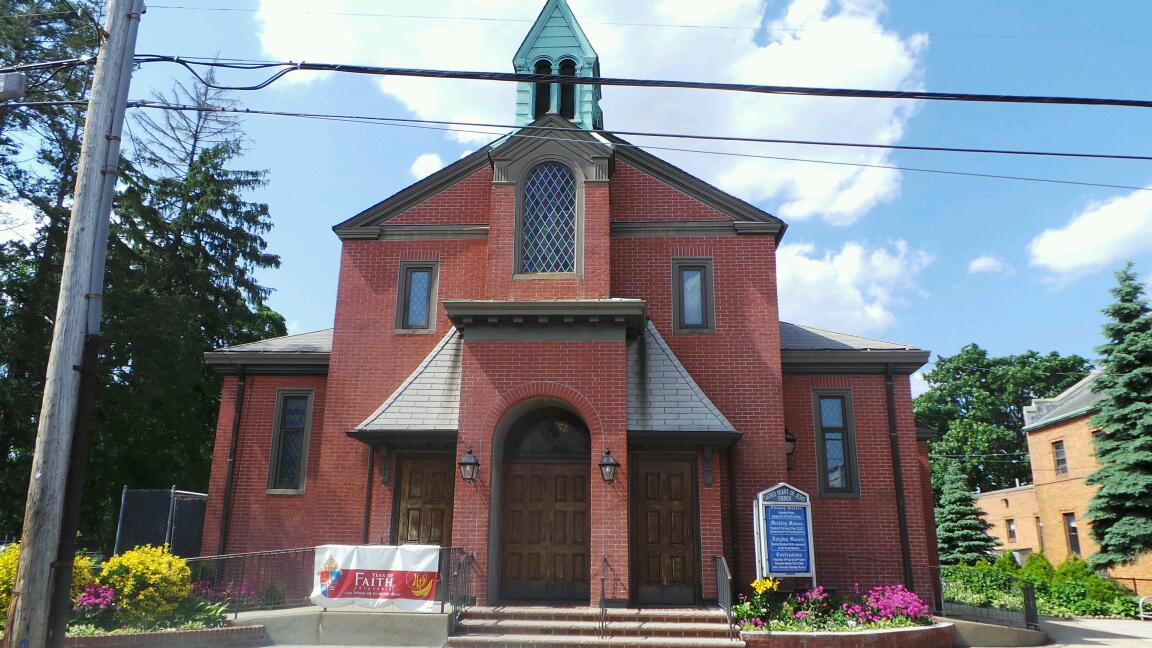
x=557 y=45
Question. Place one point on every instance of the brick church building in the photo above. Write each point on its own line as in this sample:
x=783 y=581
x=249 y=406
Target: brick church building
x=554 y=306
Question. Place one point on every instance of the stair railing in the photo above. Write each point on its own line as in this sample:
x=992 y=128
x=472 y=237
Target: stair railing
x=724 y=589
x=603 y=597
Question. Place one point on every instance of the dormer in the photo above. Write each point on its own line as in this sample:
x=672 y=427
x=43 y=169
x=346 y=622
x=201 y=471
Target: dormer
x=557 y=45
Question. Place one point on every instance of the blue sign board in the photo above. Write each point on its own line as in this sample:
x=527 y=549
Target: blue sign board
x=788 y=542
x=783 y=526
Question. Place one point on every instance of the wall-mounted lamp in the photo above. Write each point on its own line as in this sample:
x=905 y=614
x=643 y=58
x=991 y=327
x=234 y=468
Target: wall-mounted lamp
x=469 y=466
x=608 y=466
x=789 y=446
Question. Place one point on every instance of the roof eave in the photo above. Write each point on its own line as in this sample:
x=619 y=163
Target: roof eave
x=852 y=361
x=1083 y=411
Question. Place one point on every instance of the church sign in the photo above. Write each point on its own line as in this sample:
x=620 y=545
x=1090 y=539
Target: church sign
x=783 y=523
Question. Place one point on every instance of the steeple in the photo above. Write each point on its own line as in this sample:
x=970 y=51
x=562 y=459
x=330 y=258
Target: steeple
x=557 y=45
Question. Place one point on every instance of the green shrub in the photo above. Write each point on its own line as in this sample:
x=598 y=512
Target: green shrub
x=1038 y=571
x=10 y=557
x=1007 y=563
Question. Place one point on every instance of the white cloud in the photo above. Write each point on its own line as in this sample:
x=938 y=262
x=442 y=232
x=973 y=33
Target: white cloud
x=986 y=263
x=1101 y=236
x=919 y=384
x=855 y=290
x=426 y=165
x=17 y=221
x=812 y=42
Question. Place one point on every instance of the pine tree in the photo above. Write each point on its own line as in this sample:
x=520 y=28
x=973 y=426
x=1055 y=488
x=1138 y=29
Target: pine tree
x=961 y=531
x=1121 y=510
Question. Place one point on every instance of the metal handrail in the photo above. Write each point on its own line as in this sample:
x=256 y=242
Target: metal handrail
x=1141 y=614
x=724 y=589
x=603 y=598
x=460 y=590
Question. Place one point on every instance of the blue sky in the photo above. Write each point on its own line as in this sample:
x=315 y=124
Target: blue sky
x=932 y=260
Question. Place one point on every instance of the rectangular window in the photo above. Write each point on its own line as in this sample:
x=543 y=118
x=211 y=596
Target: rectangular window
x=692 y=304
x=416 y=296
x=834 y=436
x=1010 y=525
x=1072 y=533
x=1058 y=458
x=289 y=456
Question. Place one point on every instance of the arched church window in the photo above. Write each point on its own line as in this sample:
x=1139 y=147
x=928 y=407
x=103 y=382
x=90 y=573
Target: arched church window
x=548 y=228
x=543 y=99
x=549 y=434
x=567 y=90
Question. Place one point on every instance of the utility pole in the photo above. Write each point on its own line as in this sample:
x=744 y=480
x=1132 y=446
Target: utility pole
x=81 y=283
x=13 y=85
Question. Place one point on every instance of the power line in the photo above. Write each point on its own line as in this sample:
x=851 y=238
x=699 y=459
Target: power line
x=384 y=121
x=742 y=28
x=288 y=67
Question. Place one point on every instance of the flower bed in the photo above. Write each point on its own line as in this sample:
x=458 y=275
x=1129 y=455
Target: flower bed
x=940 y=635
x=818 y=610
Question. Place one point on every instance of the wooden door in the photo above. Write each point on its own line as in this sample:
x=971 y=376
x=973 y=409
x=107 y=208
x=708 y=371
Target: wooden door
x=425 y=501
x=664 y=532
x=544 y=536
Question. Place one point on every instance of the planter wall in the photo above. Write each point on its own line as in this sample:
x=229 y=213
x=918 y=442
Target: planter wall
x=941 y=635
x=237 y=637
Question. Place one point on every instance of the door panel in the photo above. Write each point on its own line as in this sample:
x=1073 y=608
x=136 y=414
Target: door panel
x=544 y=552
x=425 y=501
x=666 y=543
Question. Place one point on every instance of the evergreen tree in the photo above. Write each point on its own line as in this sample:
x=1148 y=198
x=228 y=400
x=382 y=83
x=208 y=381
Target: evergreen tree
x=185 y=244
x=1121 y=510
x=961 y=530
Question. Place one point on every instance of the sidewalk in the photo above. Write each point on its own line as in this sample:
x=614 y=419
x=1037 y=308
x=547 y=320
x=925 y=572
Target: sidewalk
x=1118 y=633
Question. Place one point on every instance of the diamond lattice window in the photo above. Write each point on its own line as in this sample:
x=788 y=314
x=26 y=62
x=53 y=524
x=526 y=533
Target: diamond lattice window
x=548 y=242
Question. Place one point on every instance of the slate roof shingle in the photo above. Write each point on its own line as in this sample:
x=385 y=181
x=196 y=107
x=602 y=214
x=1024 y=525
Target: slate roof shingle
x=311 y=342
x=794 y=337
x=429 y=399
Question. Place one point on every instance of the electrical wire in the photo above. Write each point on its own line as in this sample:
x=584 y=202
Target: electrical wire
x=516 y=77
x=379 y=121
x=789 y=30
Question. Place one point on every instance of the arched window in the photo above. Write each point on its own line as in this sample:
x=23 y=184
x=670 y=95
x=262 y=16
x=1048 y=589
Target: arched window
x=543 y=98
x=567 y=90
x=548 y=228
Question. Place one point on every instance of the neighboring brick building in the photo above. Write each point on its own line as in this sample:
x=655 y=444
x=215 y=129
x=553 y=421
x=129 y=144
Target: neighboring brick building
x=1051 y=514
x=555 y=301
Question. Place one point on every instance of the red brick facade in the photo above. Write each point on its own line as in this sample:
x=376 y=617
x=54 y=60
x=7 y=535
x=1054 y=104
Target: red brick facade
x=738 y=366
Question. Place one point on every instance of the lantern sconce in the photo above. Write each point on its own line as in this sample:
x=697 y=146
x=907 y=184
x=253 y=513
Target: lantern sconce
x=608 y=466
x=469 y=466
x=789 y=446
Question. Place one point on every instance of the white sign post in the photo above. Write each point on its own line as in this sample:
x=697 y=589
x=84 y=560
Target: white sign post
x=783 y=523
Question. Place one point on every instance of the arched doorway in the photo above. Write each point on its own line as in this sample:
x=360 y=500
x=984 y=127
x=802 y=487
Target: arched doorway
x=545 y=508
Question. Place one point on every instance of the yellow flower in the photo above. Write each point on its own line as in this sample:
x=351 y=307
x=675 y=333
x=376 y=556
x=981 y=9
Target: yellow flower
x=149 y=581
x=762 y=585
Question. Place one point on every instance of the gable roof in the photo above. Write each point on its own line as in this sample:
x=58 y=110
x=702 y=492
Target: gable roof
x=429 y=399
x=367 y=223
x=1077 y=400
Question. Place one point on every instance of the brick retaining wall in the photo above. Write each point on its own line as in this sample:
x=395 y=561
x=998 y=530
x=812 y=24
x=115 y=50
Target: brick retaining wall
x=941 y=635
x=237 y=637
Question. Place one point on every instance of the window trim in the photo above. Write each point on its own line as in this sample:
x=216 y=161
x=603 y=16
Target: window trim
x=1056 y=460
x=402 y=296
x=1010 y=529
x=708 y=286
x=525 y=171
x=1068 y=528
x=850 y=461
x=274 y=454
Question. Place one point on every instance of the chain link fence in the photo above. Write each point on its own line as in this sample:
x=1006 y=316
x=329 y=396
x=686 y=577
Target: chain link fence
x=157 y=517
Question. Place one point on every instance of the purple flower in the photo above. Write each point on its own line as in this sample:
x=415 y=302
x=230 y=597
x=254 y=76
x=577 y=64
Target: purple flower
x=96 y=597
x=802 y=614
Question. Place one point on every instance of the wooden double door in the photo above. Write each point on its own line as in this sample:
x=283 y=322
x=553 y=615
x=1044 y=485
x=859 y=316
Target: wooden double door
x=544 y=553
x=665 y=538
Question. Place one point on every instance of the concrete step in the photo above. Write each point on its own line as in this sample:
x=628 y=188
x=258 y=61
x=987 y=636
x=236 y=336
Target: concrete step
x=575 y=641
x=541 y=613
x=615 y=628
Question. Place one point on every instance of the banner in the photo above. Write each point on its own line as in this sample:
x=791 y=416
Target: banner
x=378 y=577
